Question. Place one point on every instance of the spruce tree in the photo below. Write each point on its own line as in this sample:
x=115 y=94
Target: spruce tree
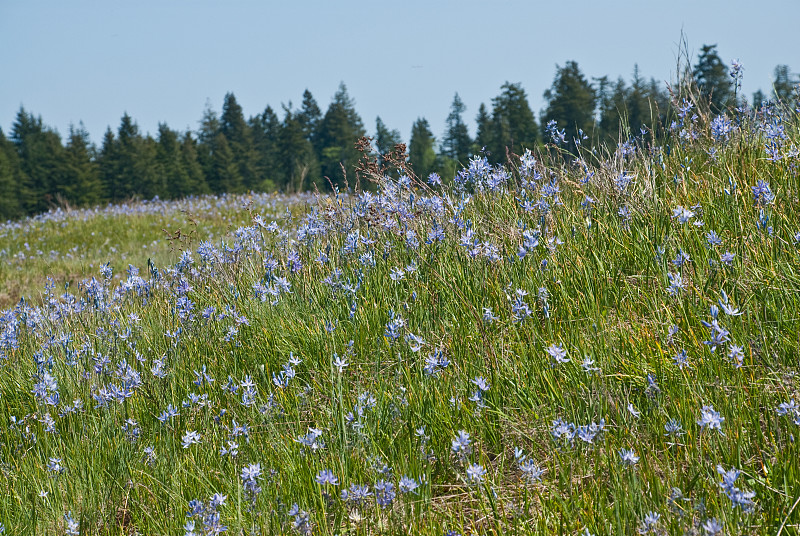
x=421 y=149
x=484 y=139
x=758 y=99
x=339 y=130
x=713 y=81
x=81 y=169
x=266 y=129
x=571 y=103
x=109 y=167
x=41 y=158
x=296 y=156
x=173 y=178
x=513 y=124
x=195 y=178
x=240 y=140
x=134 y=163
x=225 y=176
x=784 y=87
x=456 y=142
x=10 y=203
x=309 y=116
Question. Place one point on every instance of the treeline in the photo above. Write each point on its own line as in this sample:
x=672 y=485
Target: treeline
x=304 y=148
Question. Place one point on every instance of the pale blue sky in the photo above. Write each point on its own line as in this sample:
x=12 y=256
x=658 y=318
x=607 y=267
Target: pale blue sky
x=162 y=60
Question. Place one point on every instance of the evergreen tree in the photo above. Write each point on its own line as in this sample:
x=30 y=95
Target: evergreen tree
x=309 y=116
x=456 y=143
x=134 y=163
x=10 y=203
x=195 y=179
x=514 y=126
x=173 y=177
x=41 y=158
x=638 y=104
x=612 y=99
x=145 y=171
x=127 y=139
x=206 y=134
x=339 y=130
x=713 y=81
x=296 y=156
x=484 y=134
x=219 y=163
x=225 y=176
x=758 y=99
x=266 y=129
x=421 y=149
x=570 y=103
x=239 y=138
x=385 y=140
x=783 y=86
x=625 y=111
x=82 y=173
x=107 y=162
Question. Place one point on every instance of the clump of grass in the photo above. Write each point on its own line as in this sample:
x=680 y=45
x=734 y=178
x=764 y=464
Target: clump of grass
x=556 y=346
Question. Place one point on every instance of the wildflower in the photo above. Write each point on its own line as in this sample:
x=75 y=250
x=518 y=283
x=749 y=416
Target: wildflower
x=649 y=523
x=562 y=429
x=683 y=215
x=55 y=467
x=461 y=444
x=742 y=499
x=713 y=239
x=397 y=274
x=557 y=353
x=481 y=383
x=635 y=412
x=488 y=317
x=415 y=342
x=628 y=457
x=356 y=494
x=72 y=527
x=384 y=493
x=326 y=476
x=712 y=527
x=588 y=365
x=588 y=433
x=190 y=438
x=762 y=194
x=188 y=528
x=475 y=473
x=726 y=307
x=674 y=428
x=311 y=439
x=681 y=259
x=340 y=362
x=676 y=284
x=530 y=471
x=681 y=359
x=710 y=419
x=736 y=355
x=394 y=327
x=407 y=484
x=673 y=330
x=727 y=258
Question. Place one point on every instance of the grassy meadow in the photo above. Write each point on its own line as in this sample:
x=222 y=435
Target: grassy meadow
x=599 y=345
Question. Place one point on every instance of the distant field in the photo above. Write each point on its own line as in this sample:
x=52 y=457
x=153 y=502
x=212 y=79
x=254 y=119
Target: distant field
x=68 y=246
x=602 y=345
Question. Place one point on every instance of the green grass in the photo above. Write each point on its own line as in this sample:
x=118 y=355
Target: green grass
x=607 y=299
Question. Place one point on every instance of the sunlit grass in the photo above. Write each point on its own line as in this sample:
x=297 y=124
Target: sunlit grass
x=362 y=334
